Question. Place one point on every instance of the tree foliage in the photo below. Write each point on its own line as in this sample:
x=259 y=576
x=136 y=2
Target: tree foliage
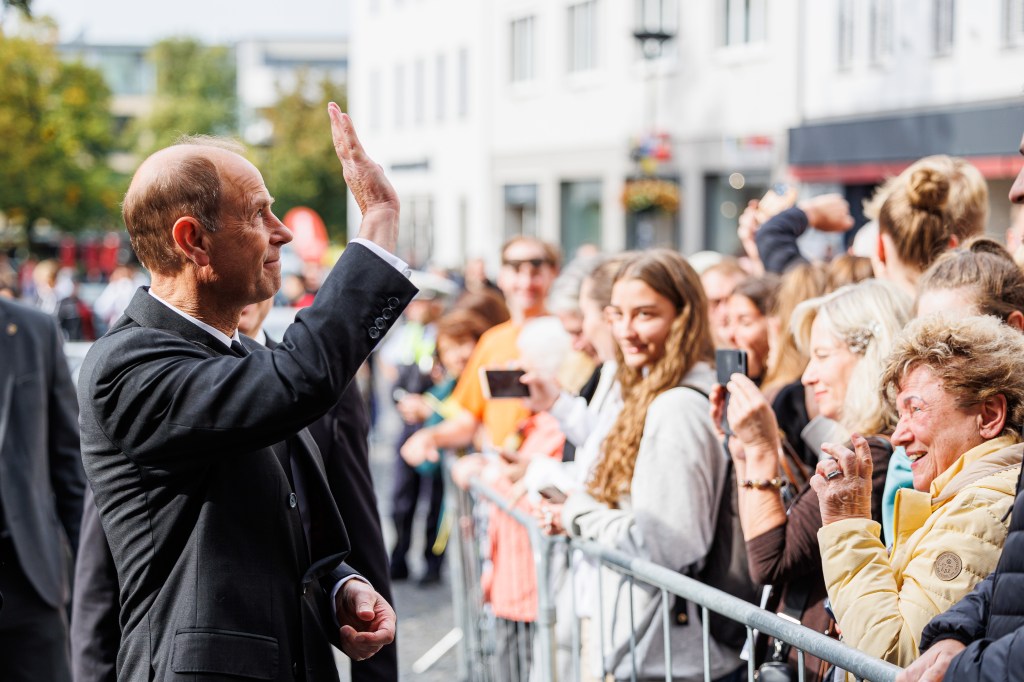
x=57 y=131
x=195 y=94
x=299 y=165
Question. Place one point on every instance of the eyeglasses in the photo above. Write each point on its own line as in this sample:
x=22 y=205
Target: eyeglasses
x=534 y=263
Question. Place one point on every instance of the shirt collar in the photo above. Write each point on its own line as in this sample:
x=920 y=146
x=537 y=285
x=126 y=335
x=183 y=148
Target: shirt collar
x=215 y=333
x=967 y=459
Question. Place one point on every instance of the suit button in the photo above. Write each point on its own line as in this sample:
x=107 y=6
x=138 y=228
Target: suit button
x=292 y=500
x=380 y=323
x=393 y=302
x=387 y=313
x=373 y=332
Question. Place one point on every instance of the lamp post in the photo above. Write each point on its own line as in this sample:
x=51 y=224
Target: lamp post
x=654 y=26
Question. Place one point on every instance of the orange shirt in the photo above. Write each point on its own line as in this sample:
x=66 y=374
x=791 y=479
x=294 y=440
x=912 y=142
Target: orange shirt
x=496 y=348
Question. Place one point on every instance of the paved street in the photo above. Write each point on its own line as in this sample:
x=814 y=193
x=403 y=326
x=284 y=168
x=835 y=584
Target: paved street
x=424 y=613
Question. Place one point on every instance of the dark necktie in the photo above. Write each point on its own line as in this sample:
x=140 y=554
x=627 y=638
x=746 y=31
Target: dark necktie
x=238 y=349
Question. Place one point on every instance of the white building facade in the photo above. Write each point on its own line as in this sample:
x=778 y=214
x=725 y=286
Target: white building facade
x=495 y=117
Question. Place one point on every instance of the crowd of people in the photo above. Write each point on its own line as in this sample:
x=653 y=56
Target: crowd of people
x=215 y=487
x=873 y=442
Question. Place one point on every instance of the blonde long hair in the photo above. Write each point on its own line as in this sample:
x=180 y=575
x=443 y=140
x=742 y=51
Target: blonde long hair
x=688 y=342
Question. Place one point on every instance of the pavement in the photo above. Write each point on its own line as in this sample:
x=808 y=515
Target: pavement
x=424 y=613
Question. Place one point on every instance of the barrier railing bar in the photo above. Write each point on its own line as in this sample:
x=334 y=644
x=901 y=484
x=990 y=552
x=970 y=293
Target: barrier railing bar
x=750 y=655
x=632 y=634
x=577 y=637
x=849 y=659
x=800 y=665
x=706 y=641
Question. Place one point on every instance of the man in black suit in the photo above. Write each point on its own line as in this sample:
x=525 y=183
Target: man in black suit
x=212 y=495
x=341 y=436
x=41 y=487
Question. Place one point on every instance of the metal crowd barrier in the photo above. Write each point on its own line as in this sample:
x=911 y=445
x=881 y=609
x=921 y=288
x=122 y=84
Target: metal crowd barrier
x=477 y=652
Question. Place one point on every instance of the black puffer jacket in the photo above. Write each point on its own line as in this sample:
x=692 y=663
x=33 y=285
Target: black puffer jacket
x=990 y=620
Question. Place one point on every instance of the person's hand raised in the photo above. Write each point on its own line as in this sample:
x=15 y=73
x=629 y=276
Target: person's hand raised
x=376 y=198
x=843 y=482
x=751 y=418
x=828 y=212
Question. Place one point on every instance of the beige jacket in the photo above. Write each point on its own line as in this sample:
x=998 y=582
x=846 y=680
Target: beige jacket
x=947 y=540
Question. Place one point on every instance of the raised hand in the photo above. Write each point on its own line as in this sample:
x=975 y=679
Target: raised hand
x=828 y=212
x=376 y=198
x=843 y=483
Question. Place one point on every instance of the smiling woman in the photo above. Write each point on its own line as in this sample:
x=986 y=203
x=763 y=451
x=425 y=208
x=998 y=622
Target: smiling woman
x=957 y=389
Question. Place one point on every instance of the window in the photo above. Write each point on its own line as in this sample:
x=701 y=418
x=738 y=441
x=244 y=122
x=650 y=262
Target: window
x=1013 y=22
x=743 y=22
x=583 y=36
x=441 y=84
x=844 y=42
x=522 y=54
x=463 y=83
x=399 y=96
x=520 y=210
x=581 y=214
x=419 y=91
x=943 y=12
x=880 y=16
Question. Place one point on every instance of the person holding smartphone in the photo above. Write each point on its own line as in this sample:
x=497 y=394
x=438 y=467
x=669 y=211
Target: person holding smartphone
x=847 y=335
x=655 y=488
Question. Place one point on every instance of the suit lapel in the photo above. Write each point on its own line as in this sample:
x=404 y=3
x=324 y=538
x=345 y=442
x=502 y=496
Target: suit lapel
x=149 y=312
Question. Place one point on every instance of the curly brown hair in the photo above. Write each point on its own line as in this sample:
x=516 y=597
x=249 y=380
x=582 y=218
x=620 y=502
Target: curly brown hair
x=974 y=358
x=688 y=342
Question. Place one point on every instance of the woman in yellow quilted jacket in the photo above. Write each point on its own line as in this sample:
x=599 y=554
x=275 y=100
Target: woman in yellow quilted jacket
x=958 y=391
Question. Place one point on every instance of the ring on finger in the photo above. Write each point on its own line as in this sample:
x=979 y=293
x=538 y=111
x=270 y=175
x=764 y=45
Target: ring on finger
x=833 y=474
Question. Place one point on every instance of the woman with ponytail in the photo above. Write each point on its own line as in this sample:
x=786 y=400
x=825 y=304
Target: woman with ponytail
x=654 y=491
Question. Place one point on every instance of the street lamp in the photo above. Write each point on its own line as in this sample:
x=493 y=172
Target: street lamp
x=654 y=26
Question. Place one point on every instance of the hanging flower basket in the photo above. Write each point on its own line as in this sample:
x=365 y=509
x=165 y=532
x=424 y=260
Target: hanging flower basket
x=650 y=193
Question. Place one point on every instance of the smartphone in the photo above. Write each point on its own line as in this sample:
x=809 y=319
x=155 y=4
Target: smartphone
x=728 y=362
x=503 y=383
x=552 y=494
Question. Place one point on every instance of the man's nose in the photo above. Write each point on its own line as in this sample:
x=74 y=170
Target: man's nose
x=1017 y=191
x=281 y=234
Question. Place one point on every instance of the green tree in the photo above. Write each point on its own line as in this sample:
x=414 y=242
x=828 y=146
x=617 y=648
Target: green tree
x=299 y=164
x=57 y=131
x=195 y=94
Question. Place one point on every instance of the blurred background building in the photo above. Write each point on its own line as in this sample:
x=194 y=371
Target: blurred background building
x=632 y=123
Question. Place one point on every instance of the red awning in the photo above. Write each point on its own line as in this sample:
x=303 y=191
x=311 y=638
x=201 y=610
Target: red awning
x=992 y=167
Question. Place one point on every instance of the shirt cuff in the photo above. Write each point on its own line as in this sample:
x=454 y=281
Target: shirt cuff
x=561 y=409
x=334 y=594
x=388 y=257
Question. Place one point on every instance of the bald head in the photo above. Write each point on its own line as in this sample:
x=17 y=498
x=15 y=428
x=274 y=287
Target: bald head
x=182 y=180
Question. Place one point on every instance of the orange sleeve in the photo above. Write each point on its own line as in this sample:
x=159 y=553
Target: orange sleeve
x=468 y=393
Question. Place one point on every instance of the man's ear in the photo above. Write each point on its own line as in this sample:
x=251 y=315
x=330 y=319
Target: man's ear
x=1016 y=320
x=191 y=239
x=992 y=416
x=880 y=248
x=954 y=241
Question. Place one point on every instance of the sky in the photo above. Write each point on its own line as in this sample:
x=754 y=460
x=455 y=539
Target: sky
x=213 y=21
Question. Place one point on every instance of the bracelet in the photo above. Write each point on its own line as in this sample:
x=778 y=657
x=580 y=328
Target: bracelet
x=764 y=483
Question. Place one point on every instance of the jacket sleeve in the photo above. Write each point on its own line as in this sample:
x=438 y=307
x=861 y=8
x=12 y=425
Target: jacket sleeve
x=679 y=473
x=789 y=551
x=95 y=611
x=160 y=398
x=964 y=621
x=67 y=476
x=882 y=608
x=776 y=240
x=986 y=659
x=574 y=418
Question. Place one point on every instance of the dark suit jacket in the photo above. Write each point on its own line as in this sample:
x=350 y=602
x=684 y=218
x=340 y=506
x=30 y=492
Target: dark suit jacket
x=341 y=436
x=183 y=446
x=41 y=479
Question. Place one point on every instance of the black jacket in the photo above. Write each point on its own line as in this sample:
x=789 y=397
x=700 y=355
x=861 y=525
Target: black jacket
x=183 y=446
x=989 y=620
x=776 y=240
x=41 y=479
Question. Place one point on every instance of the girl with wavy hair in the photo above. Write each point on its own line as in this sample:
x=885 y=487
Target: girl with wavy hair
x=654 y=491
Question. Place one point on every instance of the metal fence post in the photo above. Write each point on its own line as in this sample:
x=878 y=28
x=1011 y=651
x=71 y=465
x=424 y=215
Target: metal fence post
x=542 y=545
